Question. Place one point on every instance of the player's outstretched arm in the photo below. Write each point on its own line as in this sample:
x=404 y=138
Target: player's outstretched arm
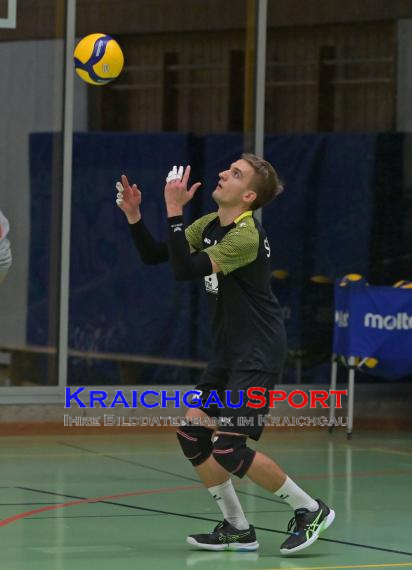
x=177 y=195
x=186 y=266
x=129 y=199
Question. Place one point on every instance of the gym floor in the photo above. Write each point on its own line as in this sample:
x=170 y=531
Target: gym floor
x=128 y=501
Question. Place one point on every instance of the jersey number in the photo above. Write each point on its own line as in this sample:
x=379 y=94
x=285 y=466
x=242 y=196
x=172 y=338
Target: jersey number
x=267 y=247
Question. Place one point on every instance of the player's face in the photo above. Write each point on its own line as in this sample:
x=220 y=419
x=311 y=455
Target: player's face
x=235 y=185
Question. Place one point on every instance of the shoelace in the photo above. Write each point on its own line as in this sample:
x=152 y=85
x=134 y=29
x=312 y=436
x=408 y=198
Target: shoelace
x=294 y=521
x=218 y=527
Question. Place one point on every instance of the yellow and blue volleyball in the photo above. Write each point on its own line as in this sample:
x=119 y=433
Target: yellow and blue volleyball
x=403 y=284
x=98 y=59
x=280 y=274
x=371 y=363
x=362 y=364
x=321 y=279
x=352 y=279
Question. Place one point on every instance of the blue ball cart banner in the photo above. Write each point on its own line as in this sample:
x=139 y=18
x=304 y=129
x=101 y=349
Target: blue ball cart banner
x=375 y=323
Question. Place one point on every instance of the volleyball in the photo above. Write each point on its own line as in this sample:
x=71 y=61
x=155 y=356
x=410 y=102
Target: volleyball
x=280 y=274
x=362 y=364
x=98 y=59
x=352 y=279
x=403 y=284
x=321 y=279
x=371 y=362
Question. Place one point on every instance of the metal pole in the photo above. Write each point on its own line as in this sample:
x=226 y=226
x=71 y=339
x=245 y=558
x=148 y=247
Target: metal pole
x=67 y=191
x=351 y=394
x=261 y=25
x=262 y=9
x=331 y=470
x=250 y=75
x=333 y=380
x=348 y=498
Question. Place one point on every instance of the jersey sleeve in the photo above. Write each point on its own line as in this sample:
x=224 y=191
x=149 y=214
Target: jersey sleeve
x=238 y=248
x=194 y=232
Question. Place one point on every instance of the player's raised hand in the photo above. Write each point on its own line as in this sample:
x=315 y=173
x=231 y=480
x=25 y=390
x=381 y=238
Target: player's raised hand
x=177 y=195
x=129 y=199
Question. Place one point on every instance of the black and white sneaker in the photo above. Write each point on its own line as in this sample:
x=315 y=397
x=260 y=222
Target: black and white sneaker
x=307 y=527
x=225 y=537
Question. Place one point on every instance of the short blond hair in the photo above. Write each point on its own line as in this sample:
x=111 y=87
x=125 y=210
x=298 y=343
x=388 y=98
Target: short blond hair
x=266 y=182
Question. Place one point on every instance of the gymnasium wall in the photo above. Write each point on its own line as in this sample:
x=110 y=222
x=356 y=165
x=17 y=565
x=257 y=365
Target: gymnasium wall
x=157 y=16
x=31 y=101
x=322 y=224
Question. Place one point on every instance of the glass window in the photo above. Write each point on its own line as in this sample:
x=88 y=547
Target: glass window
x=337 y=120
x=185 y=96
x=31 y=99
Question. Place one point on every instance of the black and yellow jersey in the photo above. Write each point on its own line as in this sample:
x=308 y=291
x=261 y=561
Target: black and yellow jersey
x=248 y=329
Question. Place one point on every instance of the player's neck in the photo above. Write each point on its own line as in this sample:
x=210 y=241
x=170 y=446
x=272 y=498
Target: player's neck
x=228 y=215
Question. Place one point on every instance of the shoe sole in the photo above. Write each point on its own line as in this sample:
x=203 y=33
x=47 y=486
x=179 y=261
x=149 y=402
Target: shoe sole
x=322 y=527
x=234 y=546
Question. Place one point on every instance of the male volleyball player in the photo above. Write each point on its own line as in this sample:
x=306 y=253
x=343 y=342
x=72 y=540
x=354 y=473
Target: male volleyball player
x=230 y=250
x=5 y=252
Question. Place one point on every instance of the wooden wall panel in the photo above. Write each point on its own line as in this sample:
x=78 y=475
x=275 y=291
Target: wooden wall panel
x=360 y=95
x=363 y=83
x=37 y=18
x=202 y=83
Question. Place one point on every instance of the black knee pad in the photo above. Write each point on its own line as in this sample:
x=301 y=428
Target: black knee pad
x=232 y=453
x=196 y=443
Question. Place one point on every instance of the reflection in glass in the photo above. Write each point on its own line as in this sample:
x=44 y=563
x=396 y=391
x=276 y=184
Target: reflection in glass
x=185 y=96
x=32 y=94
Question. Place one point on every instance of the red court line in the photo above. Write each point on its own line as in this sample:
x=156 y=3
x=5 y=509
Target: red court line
x=17 y=517
x=14 y=518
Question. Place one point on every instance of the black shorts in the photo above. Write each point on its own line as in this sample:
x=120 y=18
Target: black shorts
x=245 y=420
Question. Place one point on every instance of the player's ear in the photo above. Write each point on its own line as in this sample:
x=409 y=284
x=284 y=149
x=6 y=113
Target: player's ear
x=249 y=196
